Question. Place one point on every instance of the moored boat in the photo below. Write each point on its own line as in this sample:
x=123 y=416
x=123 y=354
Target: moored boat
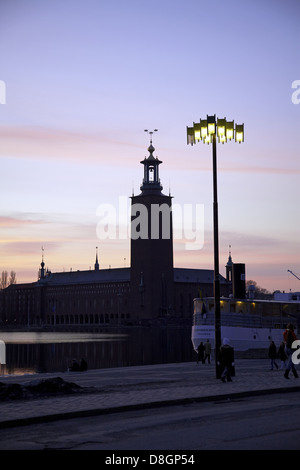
x=249 y=324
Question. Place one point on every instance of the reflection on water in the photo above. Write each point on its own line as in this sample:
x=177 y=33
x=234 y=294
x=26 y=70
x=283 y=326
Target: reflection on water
x=31 y=352
x=33 y=337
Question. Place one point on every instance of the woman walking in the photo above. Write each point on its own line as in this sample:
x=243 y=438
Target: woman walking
x=273 y=355
x=289 y=337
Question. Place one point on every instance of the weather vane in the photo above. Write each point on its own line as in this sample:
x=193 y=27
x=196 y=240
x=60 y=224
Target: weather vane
x=150 y=133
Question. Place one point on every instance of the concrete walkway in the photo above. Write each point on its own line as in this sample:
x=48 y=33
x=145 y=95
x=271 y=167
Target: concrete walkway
x=126 y=388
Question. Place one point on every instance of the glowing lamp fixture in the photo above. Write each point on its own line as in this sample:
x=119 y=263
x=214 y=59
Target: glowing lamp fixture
x=210 y=126
x=197 y=132
x=239 y=133
x=230 y=130
x=221 y=127
x=203 y=127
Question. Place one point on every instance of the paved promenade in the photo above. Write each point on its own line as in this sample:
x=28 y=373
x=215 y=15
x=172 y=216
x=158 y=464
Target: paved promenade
x=117 y=389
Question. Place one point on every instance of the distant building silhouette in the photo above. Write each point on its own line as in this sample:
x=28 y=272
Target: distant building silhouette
x=151 y=290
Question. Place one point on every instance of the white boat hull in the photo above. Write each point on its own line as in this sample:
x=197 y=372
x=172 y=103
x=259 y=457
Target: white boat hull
x=248 y=324
x=241 y=339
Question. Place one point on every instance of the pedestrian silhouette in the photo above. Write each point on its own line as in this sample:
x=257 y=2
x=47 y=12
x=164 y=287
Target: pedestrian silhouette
x=75 y=366
x=207 y=351
x=225 y=360
x=200 y=353
x=289 y=337
x=83 y=364
x=281 y=355
x=272 y=355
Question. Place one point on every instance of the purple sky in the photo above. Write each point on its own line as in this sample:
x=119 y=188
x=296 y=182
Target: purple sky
x=84 y=78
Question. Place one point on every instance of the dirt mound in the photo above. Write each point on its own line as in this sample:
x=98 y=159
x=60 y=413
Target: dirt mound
x=43 y=387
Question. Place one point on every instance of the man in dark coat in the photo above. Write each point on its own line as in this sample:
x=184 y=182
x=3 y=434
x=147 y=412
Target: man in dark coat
x=226 y=360
x=200 y=353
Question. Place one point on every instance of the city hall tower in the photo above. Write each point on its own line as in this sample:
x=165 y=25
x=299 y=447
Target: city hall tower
x=152 y=277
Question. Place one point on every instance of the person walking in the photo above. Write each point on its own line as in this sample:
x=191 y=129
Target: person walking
x=281 y=355
x=200 y=353
x=226 y=360
x=289 y=337
x=207 y=350
x=273 y=355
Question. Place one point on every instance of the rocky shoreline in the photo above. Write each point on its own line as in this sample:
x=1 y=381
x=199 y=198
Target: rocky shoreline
x=40 y=387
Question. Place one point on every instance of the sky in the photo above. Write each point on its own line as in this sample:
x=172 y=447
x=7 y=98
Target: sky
x=80 y=81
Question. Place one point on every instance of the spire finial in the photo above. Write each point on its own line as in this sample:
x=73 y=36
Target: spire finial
x=151 y=133
x=42 y=263
x=42 y=269
x=229 y=262
x=96 y=262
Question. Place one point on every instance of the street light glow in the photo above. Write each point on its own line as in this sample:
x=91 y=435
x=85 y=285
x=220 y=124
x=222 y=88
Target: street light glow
x=203 y=126
x=222 y=139
x=211 y=124
x=239 y=133
x=208 y=130
x=230 y=129
x=197 y=131
x=221 y=127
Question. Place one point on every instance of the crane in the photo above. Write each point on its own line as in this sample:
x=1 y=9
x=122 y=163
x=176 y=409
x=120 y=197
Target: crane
x=289 y=271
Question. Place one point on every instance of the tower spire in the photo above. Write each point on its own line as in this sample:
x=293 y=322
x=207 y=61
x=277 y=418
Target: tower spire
x=42 y=270
x=229 y=266
x=96 y=262
x=151 y=181
x=229 y=257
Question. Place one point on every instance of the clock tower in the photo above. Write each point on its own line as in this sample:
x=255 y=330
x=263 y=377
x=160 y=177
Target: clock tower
x=152 y=278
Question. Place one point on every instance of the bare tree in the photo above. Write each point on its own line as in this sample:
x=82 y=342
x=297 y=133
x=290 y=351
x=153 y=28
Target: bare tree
x=3 y=282
x=260 y=292
x=12 y=278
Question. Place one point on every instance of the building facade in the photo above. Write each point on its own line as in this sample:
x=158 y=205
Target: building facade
x=151 y=290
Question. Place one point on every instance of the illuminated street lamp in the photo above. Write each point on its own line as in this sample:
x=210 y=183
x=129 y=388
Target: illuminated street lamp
x=208 y=130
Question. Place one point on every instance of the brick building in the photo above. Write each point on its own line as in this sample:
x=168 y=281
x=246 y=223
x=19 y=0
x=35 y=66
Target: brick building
x=150 y=290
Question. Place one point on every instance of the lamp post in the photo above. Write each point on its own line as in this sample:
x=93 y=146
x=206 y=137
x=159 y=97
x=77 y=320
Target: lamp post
x=208 y=130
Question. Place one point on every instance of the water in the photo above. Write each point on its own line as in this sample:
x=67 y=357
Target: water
x=32 y=352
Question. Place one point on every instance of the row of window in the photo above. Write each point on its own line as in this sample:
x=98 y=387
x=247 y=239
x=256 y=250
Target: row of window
x=86 y=319
x=85 y=289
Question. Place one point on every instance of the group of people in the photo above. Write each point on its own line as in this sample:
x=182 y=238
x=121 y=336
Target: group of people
x=225 y=357
x=284 y=353
x=204 y=352
x=78 y=367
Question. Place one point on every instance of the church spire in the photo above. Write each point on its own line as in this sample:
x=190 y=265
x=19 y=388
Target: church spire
x=229 y=266
x=229 y=262
x=96 y=262
x=42 y=269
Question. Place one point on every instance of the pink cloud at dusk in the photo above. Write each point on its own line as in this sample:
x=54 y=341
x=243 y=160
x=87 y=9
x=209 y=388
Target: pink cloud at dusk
x=49 y=143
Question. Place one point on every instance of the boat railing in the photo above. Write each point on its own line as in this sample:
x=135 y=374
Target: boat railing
x=239 y=320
